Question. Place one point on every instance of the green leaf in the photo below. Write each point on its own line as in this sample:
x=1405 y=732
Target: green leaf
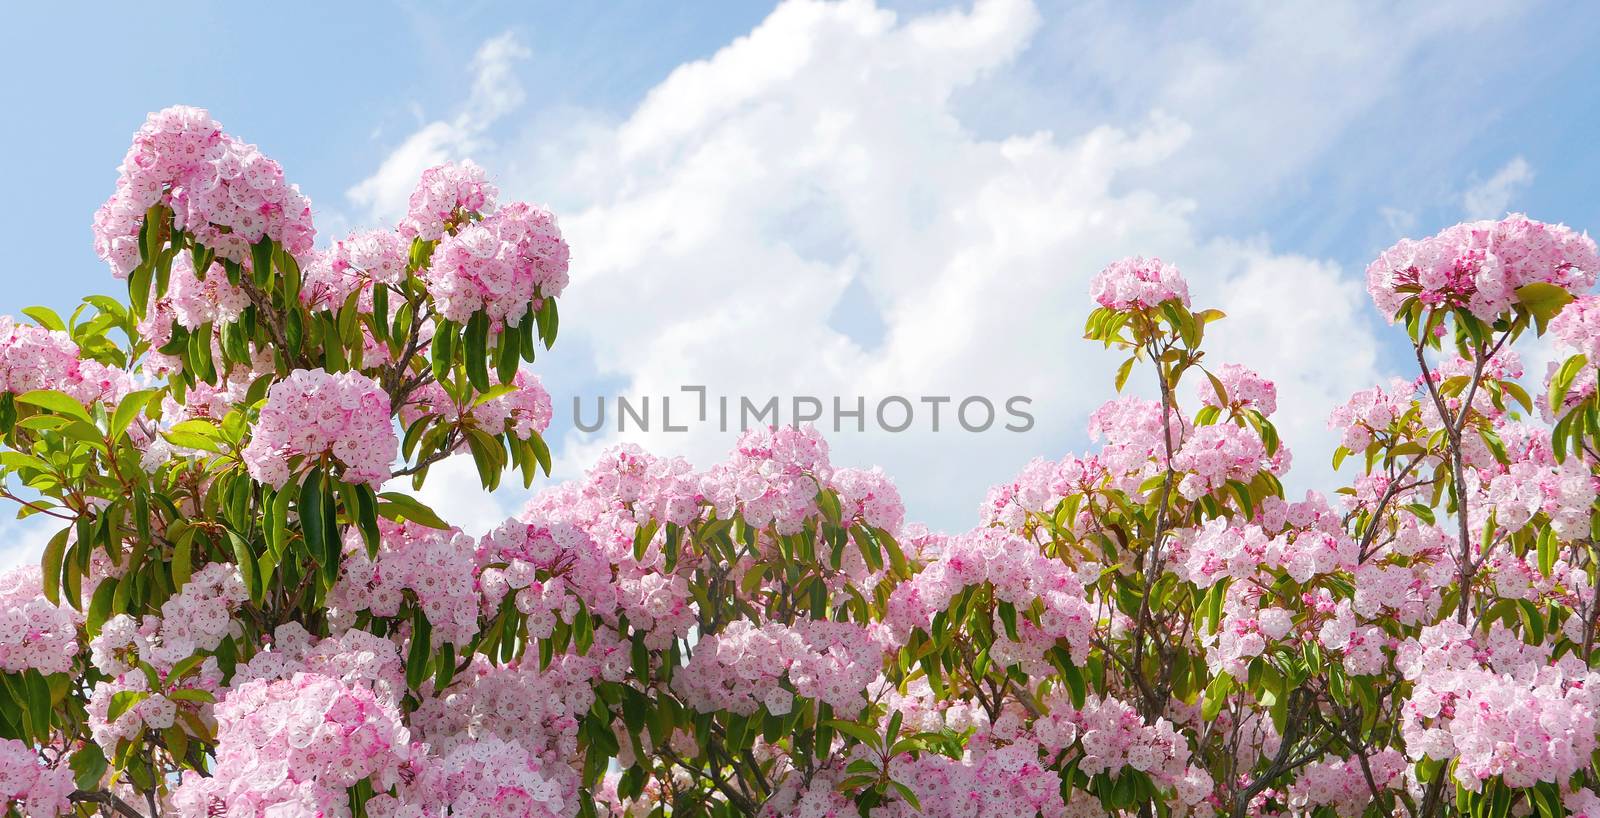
x=88 y=766
x=418 y=653
x=54 y=554
x=247 y=564
x=541 y=452
x=549 y=322
x=860 y=733
x=498 y=391
x=1216 y=696
x=506 y=365
x=1548 y=550
x=46 y=317
x=129 y=408
x=1562 y=382
x=1123 y=372
x=59 y=402
x=367 y=517
x=312 y=516
x=477 y=350
x=906 y=793
x=123 y=702
x=1543 y=301
x=442 y=349
x=393 y=505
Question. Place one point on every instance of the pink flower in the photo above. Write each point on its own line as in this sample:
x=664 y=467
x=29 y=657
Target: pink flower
x=1479 y=266
x=311 y=414
x=1139 y=283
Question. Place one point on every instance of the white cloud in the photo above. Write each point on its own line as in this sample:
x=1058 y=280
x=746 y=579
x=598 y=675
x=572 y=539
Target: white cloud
x=1491 y=198
x=716 y=228
x=23 y=541
x=495 y=93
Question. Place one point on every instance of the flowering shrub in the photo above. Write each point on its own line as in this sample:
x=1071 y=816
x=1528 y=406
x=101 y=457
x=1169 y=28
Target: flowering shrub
x=241 y=614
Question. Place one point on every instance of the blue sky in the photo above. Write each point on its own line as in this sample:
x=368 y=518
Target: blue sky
x=860 y=200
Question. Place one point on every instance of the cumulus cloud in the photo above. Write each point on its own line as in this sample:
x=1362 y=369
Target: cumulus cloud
x=1491 y=198
x=720 y=225
x=495 y=93
x=24 y=541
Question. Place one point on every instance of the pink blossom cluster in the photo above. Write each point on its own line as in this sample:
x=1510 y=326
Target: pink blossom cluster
x=743 y=668
x=539 y=709
x=29 y=786
x=1221 y=549
x=34 y=634
x=489 y=777
x=1582 y=804
x=550 y=571
x=651 y=487
x=223 y=191
x=1250 y=623
x=625 y=487
x=1009 y=778
x=1213 y=455
x=1114 y=736
x=197 y=301
x=196 y=619
x=36 y=358
x=437 y=567
x=354 y=658
x=215 y=401
x=1019 y=574
x=1577 y=326
x=771 y=479
x=1038 y=489
x=1360 y=645
x=294 y=747
x=1139 y=283
x=446 y=196
x=156 y=709
x=356 y=263
x=868 y=497
x=1243 y=388
x=1370 y=412
x=522 y=412
x=1565 y=492
x=500 y=265
x=1526 y=721
x=312 y=413
x=1479 y=265
x=1342 y=783
x=1135 y=447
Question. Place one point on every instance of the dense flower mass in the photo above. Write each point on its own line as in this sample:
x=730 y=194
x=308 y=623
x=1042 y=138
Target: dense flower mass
x=1240 y=388
x=30 y=787
x=241 y=612
x=499 y=265
x=1478 y=266
x=1139 y=283
x=445 y=197
x=772 y=478
x=312 y=413
x=744 y=669
x=33 y=632
x=1578 y=326
x=435 y=568
x=197 y=301
x=356 y=263
x=36 y=358
x=223 y=191
x=293 y=747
